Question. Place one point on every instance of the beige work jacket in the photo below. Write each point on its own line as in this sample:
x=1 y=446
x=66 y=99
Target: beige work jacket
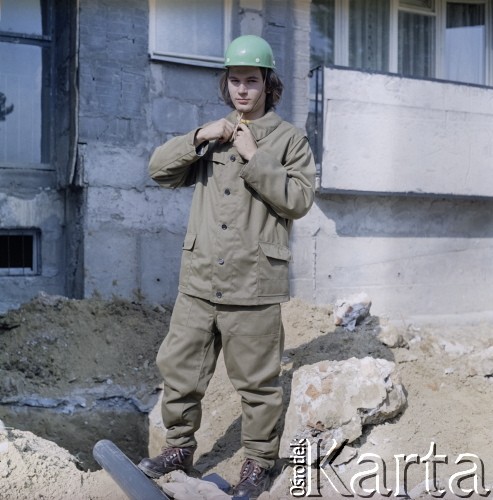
x=236 y=247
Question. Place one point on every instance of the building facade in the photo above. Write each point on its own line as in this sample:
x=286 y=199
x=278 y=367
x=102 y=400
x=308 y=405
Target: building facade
x=395 y=94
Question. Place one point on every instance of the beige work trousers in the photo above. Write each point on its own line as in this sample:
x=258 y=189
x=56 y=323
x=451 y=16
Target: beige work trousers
x=252 y=339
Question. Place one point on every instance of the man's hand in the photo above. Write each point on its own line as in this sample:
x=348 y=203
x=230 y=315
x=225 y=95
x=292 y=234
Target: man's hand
x=245 y=142
x=220 y=130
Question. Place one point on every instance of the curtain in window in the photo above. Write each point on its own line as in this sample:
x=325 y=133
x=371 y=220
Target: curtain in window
x=369 y=34
x=465 y=42
x=416 y=45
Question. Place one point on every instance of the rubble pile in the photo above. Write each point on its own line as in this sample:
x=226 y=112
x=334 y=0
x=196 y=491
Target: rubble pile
x=355 y=385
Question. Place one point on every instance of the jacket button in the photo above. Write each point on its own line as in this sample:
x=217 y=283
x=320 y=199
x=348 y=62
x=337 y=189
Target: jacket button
x=227 y=192
x=219 y=295
x=232 y=158
x=220 y=261
x=224 y=226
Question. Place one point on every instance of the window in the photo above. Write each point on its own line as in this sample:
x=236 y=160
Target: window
x=351 y=33
x=25 y=62
x=444 y=39
x=465 y=42
x=322 y=33
x=417 y=39
x=19 y=249
x=369 y=34
x=190 y=31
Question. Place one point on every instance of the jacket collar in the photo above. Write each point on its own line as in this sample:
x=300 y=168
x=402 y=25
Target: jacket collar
x=261 y=127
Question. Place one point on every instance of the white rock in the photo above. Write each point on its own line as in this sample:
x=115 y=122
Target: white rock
x=333 y=400
x=348 y=312
x=480 y=363
x=392 y=337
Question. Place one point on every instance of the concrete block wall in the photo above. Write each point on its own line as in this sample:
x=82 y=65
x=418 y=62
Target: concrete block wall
x=287 y=27
x=113 y=144
x=414 y=256
x=41 y=209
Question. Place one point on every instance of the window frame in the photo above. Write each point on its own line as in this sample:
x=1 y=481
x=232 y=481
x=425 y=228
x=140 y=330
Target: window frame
x=341 y=36
x=35 y=270
x=157 y=54
x=441 y=29
x=43 y=41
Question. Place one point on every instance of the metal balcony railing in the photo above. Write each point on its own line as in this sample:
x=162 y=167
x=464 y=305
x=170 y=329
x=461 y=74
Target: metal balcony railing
x=314 y=124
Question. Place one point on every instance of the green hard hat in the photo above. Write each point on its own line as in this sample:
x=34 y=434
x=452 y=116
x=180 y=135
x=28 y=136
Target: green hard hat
x=249 y=50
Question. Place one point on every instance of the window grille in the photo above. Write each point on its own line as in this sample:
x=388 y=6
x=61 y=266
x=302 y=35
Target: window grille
x=19 y=252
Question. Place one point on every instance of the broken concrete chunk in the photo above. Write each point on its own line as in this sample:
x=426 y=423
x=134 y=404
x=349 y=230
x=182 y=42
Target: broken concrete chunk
x=333 y=400
x=349 y=312
x=392 y=337
x=480 y=363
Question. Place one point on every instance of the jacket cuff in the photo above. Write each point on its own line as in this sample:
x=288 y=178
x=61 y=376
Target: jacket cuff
x=202 y=148
x=249 y=170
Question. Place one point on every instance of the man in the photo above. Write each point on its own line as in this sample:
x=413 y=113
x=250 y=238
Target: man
x=253 y=174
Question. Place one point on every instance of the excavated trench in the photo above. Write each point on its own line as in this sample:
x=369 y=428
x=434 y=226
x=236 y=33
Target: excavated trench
x=78 y=430
x=77 y=371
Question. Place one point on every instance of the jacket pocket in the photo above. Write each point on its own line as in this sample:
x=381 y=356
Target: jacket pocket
x=186 y=257
x=228 y=157
x=273 y=269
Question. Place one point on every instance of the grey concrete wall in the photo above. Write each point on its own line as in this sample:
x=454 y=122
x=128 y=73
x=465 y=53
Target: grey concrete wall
x=413 y=256
x=41 y=208
x=133 y=230
x=35 y=198
x=287 y=27
x=115 y=138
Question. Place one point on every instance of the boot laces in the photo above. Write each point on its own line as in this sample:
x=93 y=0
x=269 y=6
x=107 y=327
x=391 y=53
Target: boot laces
x=171 y=454
x=250 y=470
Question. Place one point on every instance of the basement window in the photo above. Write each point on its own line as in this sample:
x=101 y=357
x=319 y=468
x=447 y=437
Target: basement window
x=19 y=252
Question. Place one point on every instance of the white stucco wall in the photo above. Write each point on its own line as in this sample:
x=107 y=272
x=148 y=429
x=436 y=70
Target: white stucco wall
x=385 y=133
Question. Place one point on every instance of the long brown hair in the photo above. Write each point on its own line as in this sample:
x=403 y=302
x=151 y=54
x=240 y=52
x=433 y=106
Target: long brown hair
x=273 y=88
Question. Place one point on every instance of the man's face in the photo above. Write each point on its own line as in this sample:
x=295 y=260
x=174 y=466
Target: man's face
x=247 y=92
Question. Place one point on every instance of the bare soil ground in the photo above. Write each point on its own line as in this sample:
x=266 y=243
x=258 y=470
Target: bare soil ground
x=85 y=369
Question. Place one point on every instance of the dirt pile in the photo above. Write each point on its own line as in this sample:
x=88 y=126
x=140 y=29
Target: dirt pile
x=75 y=371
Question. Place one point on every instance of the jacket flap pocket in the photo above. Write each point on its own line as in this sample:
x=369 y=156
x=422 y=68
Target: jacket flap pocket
x=189 y=241
x=275 y=251
x=227 y=157
x=219 y=157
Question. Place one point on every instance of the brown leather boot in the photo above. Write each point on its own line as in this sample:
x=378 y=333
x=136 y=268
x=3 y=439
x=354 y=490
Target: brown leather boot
x=170 y=459
x=253 y=480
